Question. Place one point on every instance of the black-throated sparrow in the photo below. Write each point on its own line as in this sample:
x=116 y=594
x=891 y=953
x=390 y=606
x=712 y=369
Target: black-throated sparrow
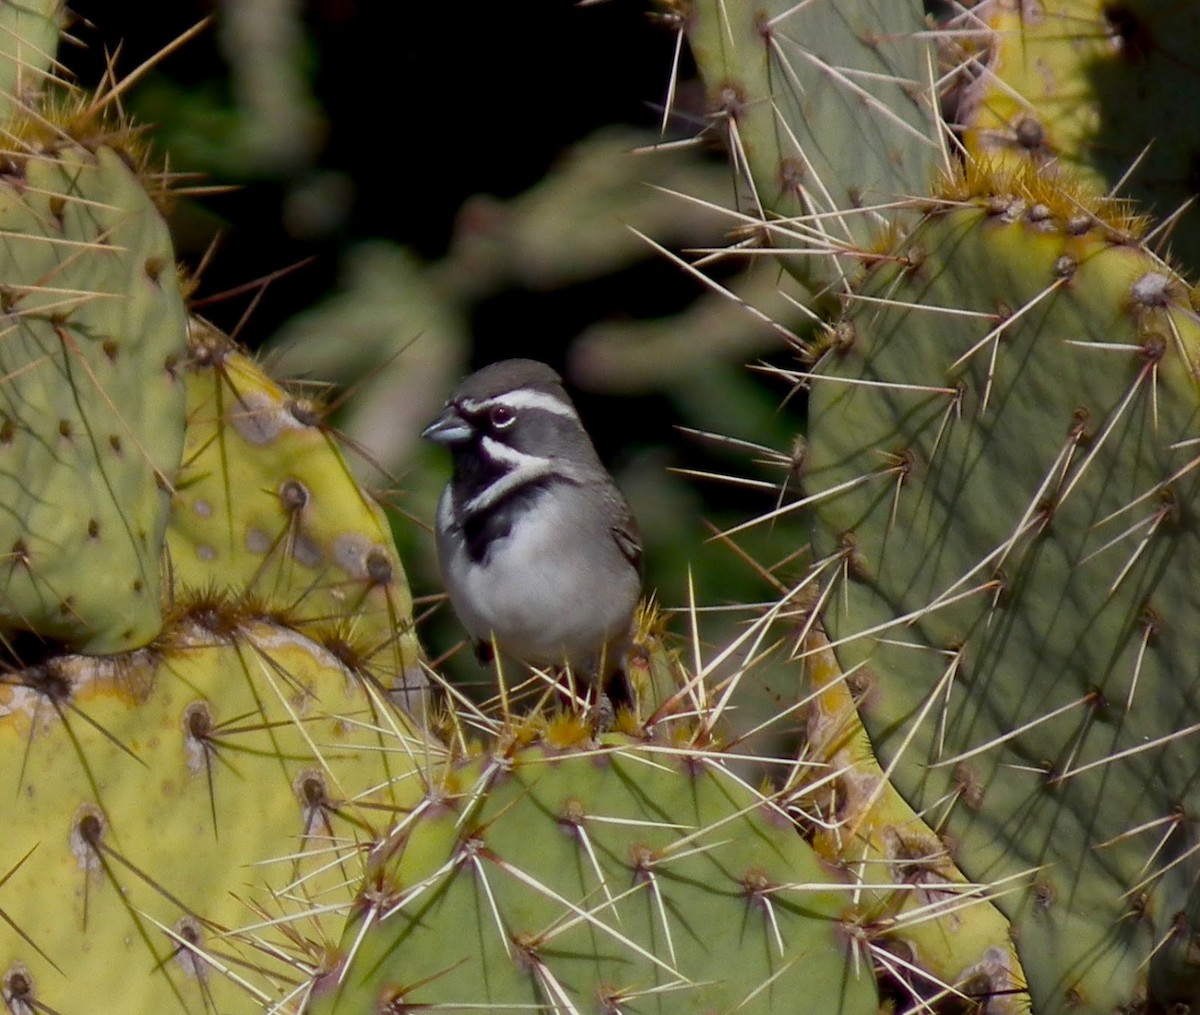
x=537 y=547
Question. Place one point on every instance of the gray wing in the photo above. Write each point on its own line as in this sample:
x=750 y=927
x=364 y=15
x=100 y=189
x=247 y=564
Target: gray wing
x=629 y=541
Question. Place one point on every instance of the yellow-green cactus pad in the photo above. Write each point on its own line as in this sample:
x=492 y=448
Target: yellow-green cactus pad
x=1104 y=89
x=948 y=937
x=266 y=511
x=91 y=404
x=186 y=824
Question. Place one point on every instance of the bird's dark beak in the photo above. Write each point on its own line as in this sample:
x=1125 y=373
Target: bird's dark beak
x=449 y=428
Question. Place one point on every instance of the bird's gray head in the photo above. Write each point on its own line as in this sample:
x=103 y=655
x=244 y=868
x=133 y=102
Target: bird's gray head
x=512 y=410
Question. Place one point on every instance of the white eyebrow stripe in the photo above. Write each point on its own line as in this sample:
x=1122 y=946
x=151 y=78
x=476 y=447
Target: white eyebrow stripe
x=523 y=398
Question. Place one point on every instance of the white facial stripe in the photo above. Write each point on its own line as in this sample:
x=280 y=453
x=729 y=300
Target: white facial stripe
x=445 y=508
x=523 y=469
x=518 y=461
x=523 y=398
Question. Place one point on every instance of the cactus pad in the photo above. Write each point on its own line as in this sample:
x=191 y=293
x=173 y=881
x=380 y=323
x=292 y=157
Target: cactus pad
x=179 y=818
x=91 y=407
x=1003 y=453
x=266 y=512
x=943 y=936
x=829 y=111
x=621 y=876
x=1101 y=87
x=28 y=40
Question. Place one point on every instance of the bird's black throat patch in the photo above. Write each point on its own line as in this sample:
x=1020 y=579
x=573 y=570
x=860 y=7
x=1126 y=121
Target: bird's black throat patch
x=485 y=529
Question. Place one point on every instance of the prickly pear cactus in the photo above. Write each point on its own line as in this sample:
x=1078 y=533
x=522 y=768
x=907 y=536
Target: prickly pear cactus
x=179 y=817
x=266 y=513
x=619 y=875
x=91 y=404
x=779 y=75
x=997 y=780
x=1001 y=462
x=196 y=766
x=1030 y=661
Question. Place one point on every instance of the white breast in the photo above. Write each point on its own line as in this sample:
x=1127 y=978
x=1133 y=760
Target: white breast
x=544 y=599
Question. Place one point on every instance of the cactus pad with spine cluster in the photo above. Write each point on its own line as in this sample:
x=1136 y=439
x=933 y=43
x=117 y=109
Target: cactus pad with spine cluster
x=179 y=817
x=624 y=875
x=943 y=937
x=91 y=405
x=828 y=112
x=1003 y=453
x=1104 y=88
x=266 y=512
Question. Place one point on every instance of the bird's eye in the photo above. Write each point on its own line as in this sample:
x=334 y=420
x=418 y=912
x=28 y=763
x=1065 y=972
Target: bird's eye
x=502 y=417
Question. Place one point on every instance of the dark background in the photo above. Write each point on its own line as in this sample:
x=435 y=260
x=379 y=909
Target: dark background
x=408 y=111
x=423 y=105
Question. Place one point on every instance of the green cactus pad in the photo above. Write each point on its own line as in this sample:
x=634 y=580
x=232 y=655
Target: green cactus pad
x=266 y=512
x=29 y=32
x=91 y=407
x=622 y=876
x=184 y=824
x=829 y=111
x=1004 y=457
